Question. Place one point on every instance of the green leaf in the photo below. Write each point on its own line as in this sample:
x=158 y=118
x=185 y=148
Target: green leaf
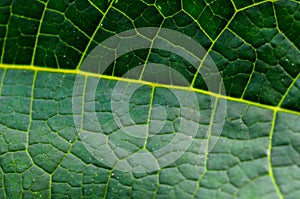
x=66 y=131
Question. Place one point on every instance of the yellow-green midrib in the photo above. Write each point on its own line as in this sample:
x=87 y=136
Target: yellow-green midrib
x=89 y=74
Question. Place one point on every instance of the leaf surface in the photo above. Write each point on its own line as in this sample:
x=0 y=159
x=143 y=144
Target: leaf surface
x=43 y=152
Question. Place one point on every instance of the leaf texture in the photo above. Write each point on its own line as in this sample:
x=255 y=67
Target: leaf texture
x=255 y=46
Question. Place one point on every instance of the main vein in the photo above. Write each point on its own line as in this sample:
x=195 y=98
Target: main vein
x=191 y=89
